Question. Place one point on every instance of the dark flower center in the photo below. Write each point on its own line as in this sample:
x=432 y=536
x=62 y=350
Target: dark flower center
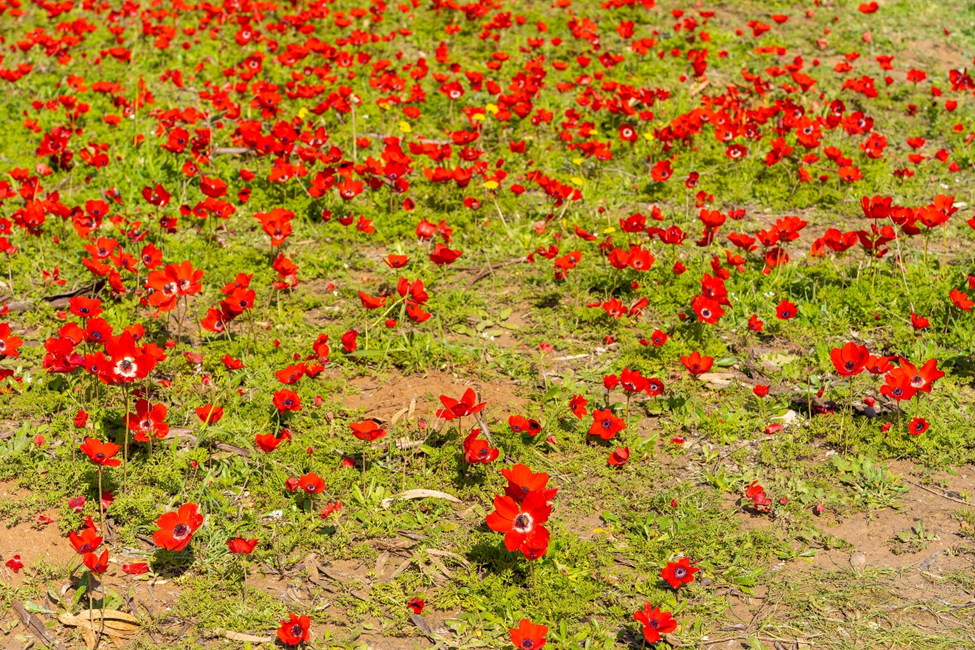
x=99 y=456
x=180 y=531
x=523 y=522
x=297 y=631
x=849 y=365
x=680 y=573
x=527 y=644
x=606 y=424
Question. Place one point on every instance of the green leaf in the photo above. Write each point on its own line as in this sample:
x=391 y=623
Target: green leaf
x=34 y=608
x=552 y=393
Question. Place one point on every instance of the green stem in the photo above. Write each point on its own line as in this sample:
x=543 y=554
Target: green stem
x=125 y=450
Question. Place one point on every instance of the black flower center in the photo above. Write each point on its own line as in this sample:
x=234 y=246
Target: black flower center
x=180 y=531
x=523 y=523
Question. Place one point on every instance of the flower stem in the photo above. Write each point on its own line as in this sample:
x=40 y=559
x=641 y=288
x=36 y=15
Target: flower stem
x=101 y=511
x=125 y=449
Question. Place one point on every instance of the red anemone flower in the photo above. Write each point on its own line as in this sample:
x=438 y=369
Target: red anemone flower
x=521 y=525
x=578 y=406
x=633 y=381
x=521 y=424
x=477 y=450
x=396 y=261
x=443 y=256
x=917 y=426
x=679 y=573
x=521 y=481
x=922 y=378
x=619 y=457
x=241 y=546
x=8 y=342
x=148 y=419
x=95 y=563
x=311 y=483
x=605 y=424
x=367 y=430
x=528 y=636
x=287 y=400
x=850 y=359
x=209 y=414
x=416 y=605
x=267 y=442
x=785 y=310
x=697 y=364
x=897 y=385
x=458 y=409
x=372 y=302
x=101 y=453
x=655 y=622
x=176 y=528
x=294 y=631
x=86 y=542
